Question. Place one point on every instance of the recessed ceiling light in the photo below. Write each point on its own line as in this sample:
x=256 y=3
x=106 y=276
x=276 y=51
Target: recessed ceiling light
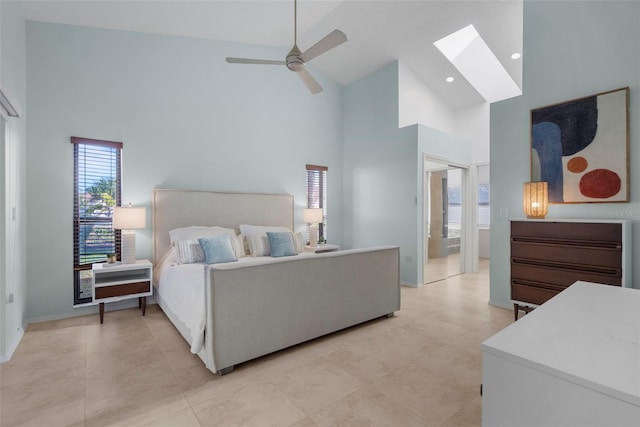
x=515 y=56
x=450 y=79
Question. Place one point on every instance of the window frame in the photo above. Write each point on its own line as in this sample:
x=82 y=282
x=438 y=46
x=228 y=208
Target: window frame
x=79 y=221
x=316 y=175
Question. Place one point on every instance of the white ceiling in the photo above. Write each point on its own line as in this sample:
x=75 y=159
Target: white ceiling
x=379 y=31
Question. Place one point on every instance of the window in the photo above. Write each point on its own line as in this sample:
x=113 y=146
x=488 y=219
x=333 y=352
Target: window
x=483 y=206
x=317 y=194
x=96 y=190
x=484 y=196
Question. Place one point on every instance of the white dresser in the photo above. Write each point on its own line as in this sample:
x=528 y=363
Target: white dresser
x=575 y=361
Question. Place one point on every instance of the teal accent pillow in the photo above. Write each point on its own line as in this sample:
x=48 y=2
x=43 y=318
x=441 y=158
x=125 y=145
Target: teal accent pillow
x=217 y=249
x=281 y=244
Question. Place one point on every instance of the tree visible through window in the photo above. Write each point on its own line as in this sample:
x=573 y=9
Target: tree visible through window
x=96 y=191
x=317 y=194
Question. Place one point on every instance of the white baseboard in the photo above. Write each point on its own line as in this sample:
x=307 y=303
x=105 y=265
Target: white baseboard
x=411 y=285
x=501 y=304
x=81 y=311
x=6 y=357
x=89 y=309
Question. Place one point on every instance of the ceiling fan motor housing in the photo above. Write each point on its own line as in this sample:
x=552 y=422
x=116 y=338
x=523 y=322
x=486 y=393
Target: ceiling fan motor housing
x=294 y=59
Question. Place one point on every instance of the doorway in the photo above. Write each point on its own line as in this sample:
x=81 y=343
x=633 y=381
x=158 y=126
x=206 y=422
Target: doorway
x=444 y=220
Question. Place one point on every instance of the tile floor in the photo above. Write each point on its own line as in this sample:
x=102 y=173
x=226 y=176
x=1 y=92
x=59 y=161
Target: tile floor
x=419 y=368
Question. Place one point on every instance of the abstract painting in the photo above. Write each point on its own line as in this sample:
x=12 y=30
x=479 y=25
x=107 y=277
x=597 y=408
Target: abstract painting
x=581 y=148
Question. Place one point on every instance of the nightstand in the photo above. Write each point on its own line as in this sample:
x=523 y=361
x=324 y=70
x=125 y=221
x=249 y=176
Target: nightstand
x=322 y=248
x=116 y=282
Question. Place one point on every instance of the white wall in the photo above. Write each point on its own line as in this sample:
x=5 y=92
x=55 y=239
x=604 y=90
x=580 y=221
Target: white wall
x=418 y=104
x=13 y=230
x=187 y=119
x=571 y=50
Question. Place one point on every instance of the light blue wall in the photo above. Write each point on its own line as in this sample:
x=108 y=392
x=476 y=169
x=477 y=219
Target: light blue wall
x=571 y=49
x=187 y=120
x=383 y=170
x=380 y=169
x=13 y=266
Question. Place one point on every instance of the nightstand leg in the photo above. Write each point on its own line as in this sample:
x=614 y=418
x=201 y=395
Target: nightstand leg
x=101 y=312
x=143 y=301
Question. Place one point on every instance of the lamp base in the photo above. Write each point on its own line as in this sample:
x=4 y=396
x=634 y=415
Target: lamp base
x=128 y=247
x=313 y=235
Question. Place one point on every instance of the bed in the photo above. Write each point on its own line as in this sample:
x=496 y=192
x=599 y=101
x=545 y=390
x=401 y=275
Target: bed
x=234 y=312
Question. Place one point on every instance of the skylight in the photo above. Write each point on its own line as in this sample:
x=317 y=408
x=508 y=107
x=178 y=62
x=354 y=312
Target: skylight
x=469 y=53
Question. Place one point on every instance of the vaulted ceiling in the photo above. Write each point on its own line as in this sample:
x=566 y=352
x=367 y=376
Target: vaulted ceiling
x=379 y=31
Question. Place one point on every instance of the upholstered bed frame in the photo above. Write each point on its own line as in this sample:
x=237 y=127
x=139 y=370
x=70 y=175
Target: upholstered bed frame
x=183 y=208
x=253 y=310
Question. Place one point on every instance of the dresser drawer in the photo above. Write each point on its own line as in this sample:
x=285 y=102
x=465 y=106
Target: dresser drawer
x=563 y=275
x=581 y=231
x=533 y=293
x=608 y=255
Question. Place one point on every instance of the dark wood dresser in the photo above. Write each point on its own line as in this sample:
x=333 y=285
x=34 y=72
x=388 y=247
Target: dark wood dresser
x=548 y=256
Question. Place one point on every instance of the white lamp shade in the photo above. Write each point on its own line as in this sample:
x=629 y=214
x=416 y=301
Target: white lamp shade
x=129 y=218
x=312 y=215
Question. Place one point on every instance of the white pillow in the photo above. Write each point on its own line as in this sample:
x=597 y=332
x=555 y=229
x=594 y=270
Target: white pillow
x=298 y=242
x=257 y=240
x=188 y=251
x=237 y=243
x=196 y=231
x=245 y=244
x=258 y=245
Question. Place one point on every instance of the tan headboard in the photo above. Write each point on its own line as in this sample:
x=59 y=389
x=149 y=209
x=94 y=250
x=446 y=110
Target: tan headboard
x=182 y=208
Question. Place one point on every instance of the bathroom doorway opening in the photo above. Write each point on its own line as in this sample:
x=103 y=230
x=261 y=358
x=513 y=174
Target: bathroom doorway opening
x=444 y=220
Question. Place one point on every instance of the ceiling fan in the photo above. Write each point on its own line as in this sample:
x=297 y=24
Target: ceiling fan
x=297 y=60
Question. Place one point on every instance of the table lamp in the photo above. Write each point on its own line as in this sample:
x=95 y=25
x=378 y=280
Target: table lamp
x=312 y=216
x=535 y=199
x=128 y=219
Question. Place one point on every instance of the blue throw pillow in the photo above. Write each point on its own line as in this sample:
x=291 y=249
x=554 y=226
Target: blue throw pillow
x=281 y=244
x=217 y=249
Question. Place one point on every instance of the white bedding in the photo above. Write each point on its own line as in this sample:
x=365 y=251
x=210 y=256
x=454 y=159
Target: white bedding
x=181 y=287
x=182 y=290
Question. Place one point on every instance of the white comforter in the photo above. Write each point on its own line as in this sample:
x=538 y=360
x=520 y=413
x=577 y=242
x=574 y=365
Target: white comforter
x=182 y=290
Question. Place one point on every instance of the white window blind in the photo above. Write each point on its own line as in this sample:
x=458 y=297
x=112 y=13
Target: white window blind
x=97 y=187
x=317 y=194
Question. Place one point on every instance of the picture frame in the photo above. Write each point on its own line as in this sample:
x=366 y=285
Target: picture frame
x=581 y=148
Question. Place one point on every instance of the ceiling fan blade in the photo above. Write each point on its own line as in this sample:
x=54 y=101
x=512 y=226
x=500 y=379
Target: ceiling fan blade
x=308 y=80
x=331 y=40
x=255 y=61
